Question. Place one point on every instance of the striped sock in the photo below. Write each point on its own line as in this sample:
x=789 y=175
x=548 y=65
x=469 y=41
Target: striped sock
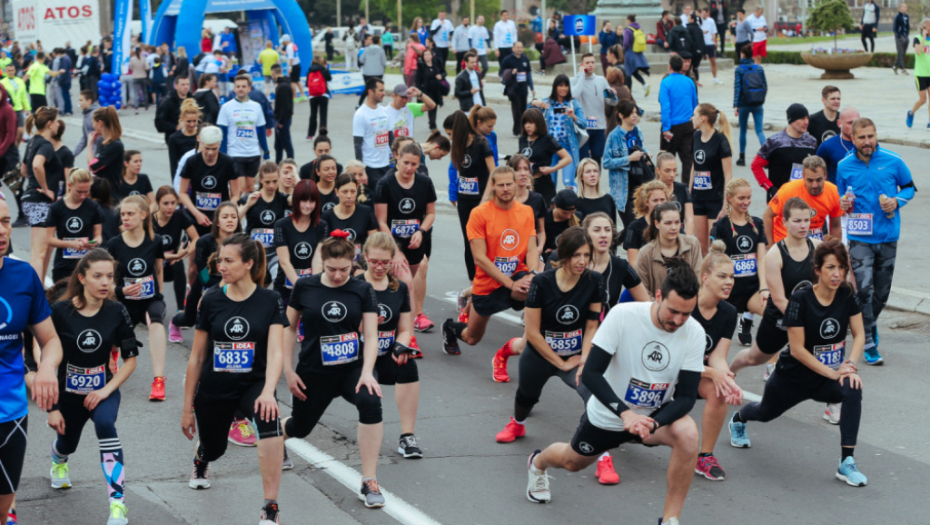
x=58 y=458
x=111 y=459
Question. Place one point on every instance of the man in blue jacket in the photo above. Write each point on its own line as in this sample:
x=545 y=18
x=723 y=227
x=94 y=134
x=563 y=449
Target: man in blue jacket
x=875 y=184
x=678 y=98
x=749 y=91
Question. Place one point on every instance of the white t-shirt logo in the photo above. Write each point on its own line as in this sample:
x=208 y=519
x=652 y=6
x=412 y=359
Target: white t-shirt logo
x=699 y=156
x=334 y=311
x=829 y=328
x=267 y=217
x=303 y=250
x=89 y=341
x=466 y=162
x=567 y=314
x=744 y=243
x=75 y=224
x=384 y=313
x=656 y=356
x=137 y=266
x=407 y=205
x=209 y=182
x=236 y=328
x=510 y=239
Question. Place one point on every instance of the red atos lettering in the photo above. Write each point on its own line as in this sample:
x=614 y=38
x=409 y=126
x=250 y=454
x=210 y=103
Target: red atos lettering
x=63 y=12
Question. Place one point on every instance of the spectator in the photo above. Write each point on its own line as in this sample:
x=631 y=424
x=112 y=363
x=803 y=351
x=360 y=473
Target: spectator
x=351 y=47
x=228 y=42
x=663 y=28
x=709 y=28
x=551 y=55
x=519 y=74
x=182 y=66
x=720 y=13
x=743 y=29
x=696 y=32
x=293 y=65
x=138 y=70
x=411 y=57
x=319 y=98
x=590 y=90
x=634 y=44
x=615 y=79
x=328 y=44
x=468 y=86
x=480 y=40
x=268 y=58
x=373 y=63
x=563 y=114
x=206 y=41
x=441 y=31
x=158 y=79
x=461 y=43
x=868 y=25
x=606 y=38
x=206 y=98
x=284 y=112
x=678 y=98
x=505 y=34
x=420 y=30
x=65 y=65
x=169 y=110
x=431 y=81
x=88 y=104
x=749 y=91
x=902 y=30
x=387 y=42
x=760 y=28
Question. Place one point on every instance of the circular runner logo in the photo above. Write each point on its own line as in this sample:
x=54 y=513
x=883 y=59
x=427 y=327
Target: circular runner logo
x=236 y=328
x=466 y=162
x=165 y=240
x=328 y=206
x=510 y=239
x=351 y=233
x=334 y=311
x=708 y=345
x=656 y=356
x=829 y=134
x=744 y=243
x=527 y=152
x=208 y=182
x=407 y=205
x=585 y=447
x=567 y=314
x=89 y=341
x=74 y=224
x=829 y=328
x=803 y=285
x=699 y=156
x=303 y=250
x=384 y=313
x=267 y=217
x=134 y=192
x=137 y=266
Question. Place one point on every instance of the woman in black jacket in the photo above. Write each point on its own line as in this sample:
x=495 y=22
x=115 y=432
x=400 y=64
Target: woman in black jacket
x=206 y=98
x=430 y=76
x=283 y=112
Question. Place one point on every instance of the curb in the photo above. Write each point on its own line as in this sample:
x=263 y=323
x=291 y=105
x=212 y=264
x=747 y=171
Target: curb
x=906 y=300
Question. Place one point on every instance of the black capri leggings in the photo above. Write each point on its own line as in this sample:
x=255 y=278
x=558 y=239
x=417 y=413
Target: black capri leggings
x=464 y=208
x=321 y=390
x=215 y=415
x=177 y=275
x=187 y=317
x=782 y=391
x=12 y=452
x=390 y=373
x=535 y=372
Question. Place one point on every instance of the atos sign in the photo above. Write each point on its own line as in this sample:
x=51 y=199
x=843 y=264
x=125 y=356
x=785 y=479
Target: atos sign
x=68 y=12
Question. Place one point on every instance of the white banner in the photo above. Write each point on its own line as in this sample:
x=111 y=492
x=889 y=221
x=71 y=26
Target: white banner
x=56 y=22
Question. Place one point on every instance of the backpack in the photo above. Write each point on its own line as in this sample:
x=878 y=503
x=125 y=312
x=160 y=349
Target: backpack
x=641 y=171
x=316 y=84
x=639 y=41
x=753 y=89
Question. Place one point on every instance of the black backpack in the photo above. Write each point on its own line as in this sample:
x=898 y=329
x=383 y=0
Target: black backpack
x=641 y=171
x=753 y=90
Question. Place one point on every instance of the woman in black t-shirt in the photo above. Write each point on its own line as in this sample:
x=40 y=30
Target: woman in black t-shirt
x=667 y=172
x=100 y=193
x=711 y=171
x=541 y=148
x=817 y=365
x=620 y=279
x=356 y=219
x=172 y=225
x=647 y=197
x=590 y=199
x=64 y=156
x=133 y=181
x=326 y=172
x=44 y=171
x=89 y=326
x=74 y=225
x=333 y=362
x=297 y=239
x=717 y=387
x=262 y=209
x=184 y=139
x=473 y=158
x=525 y=194
x=235 y=364
x=106 y=159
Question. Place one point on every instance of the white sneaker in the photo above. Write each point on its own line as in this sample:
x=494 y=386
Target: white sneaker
x=769 y=368
x=717 y=81
x=831 y=414
x=537 y=489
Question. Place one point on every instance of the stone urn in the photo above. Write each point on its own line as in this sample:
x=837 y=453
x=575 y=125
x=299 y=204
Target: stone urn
x=836 y=65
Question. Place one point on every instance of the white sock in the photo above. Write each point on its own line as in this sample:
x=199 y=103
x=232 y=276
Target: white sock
x=519 y=422
x=747 y=316
x=604 y=455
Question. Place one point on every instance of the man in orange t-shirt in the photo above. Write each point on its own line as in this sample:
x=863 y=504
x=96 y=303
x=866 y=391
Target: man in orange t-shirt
x=502 y=233
x=812 y=188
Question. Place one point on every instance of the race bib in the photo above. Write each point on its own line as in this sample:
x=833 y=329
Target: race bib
x=339 y=349
x=300 y=273
x=403 y=131
x=592 y=122
x=831 y=355
x=797 y=171
x=207 y=201
x=702 y=180
x=564 y=344
x=71 y=253
x=468 y=185
x=85 y=380
x=148 y=287
x=744 y=265
x=508 y=39
x=479 y=44
x=233 y=357
x=381 y=140
x=385 y=342
x=521 y=77
x=405 y=229
x=264 y=235
x=640 y=394
x=245 y=133
x=507 y=265
x=815 y=233
x=859 y=224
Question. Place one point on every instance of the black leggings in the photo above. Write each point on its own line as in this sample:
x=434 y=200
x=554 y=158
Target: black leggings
x=868 y=33
x=782 y=391
x=214 y=416
x=464 y=207
x=12 y=452
x=320 y=392
x=76 y=416
x=535 y=372
x=175 y=273
x=187 y=317
x=318 y=105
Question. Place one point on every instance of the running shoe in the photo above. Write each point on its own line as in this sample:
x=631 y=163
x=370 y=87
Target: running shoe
x=371 y=494
x=449 y=344
x=463 y=316
x=11 y=517
x=158 y=389
x=60 y=476
x=537 y=488
x=119 y=515
x=745 y=331
x=849 y=472
x=708 y=467
x=499 y=362
x=671 y=521
x=408 y=447
x=200 y=475
x=270 y=515
x=718 y=81
x=769 y=368
x=461 y=301
x=242 y=433
x=738 y=436
x=832 y=413
x=422 y=323
x=872 y=357
x=174 y=333
x=416 y=354
x=647 y=91
x=606 y=474
x=288 y=463
x=511 y=432
x=910 y=119
x=741 y=161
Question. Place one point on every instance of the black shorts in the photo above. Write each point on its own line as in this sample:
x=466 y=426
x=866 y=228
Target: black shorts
x=923 y=83
x=428 y=243
x=390 y=373
x=12 y=452
x=710 y=51
x=709 y=209
x=137 y=309
x=374 y=175
x=740 y=301
x=214 y=416
x=295 y=73
x=498 y=300
x=770 y=337
x=247 y=167
x=591 y=441
x=414 y=256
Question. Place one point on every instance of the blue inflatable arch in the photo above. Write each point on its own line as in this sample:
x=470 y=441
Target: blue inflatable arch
x=180 y=23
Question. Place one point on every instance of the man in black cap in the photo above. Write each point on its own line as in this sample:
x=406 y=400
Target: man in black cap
x=784 y=152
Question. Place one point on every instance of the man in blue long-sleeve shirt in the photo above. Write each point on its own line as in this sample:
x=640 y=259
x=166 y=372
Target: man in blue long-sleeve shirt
x=902 y=31
x=678 y=98
x=880 y=184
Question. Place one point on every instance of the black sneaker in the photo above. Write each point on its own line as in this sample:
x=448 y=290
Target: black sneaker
x=741 y=161
x=371 y=494
x=21 y=222
x=449 y=343
x=745 y=331
x=408 y=447
x=270 y=515
x=200 y=475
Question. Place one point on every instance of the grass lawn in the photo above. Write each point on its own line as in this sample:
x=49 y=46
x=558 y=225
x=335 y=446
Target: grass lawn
x=811 y=39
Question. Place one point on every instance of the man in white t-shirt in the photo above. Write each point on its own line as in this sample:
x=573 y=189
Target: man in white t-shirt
x=505 y=34
x=709 y=28
x=243 y=123
x=401 y=111
x=643 y=372
x=686 y=14
x=759 y=29
x=372 y=133
x=479 y=40
x=442 y=30
x=292 y=58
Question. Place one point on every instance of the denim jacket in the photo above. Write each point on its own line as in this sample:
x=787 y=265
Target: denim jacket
x=617 y=160
x=570 y=142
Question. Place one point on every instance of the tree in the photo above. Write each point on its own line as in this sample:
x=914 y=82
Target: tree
x=830 y=15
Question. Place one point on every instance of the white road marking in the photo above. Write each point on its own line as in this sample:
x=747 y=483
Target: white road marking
x=394 y=506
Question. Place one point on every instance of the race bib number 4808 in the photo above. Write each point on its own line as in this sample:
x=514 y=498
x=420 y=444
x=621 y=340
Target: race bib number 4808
x=339 y=349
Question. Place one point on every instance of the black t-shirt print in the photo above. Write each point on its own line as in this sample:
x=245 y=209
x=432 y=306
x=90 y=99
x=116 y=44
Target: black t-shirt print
x=406 y=208
x=391 y=304
x=720 y=326
x=474 y=173
x=172 y=231
x=563 y=315
x=262 y=216
x=137 y=265
x=708 y=166
x=300 y=247
x=825 y=329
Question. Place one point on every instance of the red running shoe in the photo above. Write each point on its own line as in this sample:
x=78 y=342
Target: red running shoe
x=511 y=432
x=606 y=475
x=413 y=344
x=158 y=389
x=499 y=363
x=708 y=467
x=463 y=316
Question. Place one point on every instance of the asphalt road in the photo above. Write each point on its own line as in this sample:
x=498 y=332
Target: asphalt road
x=467 y=478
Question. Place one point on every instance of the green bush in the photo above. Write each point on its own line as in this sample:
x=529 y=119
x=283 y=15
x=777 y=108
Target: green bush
x=886 y=60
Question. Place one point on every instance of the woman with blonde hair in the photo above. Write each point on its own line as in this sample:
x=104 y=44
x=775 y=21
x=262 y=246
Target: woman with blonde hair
x=185 y=138
x=712 y=169
x=648 y=196
x=74 y=225
x=590 y=198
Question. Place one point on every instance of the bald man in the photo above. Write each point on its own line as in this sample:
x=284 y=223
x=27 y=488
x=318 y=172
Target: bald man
x=834 y=149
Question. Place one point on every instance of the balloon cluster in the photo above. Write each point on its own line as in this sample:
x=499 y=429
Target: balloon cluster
x=110 y=90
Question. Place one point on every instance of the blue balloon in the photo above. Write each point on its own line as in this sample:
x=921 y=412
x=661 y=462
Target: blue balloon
x=101 y=84
x=115 y=85
x=106 y=77
x=118 y=105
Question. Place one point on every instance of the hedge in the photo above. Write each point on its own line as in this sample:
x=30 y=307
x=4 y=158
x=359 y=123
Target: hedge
x=886 y=60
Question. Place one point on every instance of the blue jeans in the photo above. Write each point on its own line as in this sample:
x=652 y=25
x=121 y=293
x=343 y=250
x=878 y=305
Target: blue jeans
x=568 y=172
x=66 y=96
x=594 y=147
x=744 y=112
